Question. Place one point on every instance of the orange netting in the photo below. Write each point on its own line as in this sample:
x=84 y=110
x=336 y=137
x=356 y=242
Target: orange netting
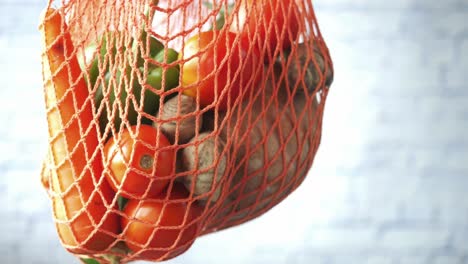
x=173 y=119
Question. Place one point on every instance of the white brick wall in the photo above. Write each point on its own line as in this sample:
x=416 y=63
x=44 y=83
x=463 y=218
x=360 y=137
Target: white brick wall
x=389 y=185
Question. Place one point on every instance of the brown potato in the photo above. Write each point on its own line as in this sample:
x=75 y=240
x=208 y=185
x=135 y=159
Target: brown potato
x=205 y=162
x=179 y=120
x=274 y=144
x=311 y=68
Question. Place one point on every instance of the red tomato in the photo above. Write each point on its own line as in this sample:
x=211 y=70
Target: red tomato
x=153 y=228
x=134 y=172
x=273 y=22
x=215 y=62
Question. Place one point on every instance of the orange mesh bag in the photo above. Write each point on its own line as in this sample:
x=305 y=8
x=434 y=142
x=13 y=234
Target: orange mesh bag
x=172 y=119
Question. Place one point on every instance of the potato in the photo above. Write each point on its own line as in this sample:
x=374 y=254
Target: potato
x=205 y=162
x=302 y=64
x=179 y=119
x=274 y=143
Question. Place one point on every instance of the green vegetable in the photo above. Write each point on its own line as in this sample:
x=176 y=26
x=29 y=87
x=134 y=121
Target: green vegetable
x=155 y=75
x=140 y=50
x=118 y=88
x=105 y=49
x=88 y=59
x=121 y=202
x=90 y=261
x=115 y=86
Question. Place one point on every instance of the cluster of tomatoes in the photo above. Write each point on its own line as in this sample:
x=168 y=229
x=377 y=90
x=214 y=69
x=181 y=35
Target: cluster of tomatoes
x=216 y=67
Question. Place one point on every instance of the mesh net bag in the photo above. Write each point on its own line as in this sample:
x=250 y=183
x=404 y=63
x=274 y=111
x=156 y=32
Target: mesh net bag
x=173 y=119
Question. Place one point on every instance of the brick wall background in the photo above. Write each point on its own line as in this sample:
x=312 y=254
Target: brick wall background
x=389 y=184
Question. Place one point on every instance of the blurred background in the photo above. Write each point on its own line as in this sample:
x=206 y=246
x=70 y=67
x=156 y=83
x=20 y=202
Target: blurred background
x=389 y=183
